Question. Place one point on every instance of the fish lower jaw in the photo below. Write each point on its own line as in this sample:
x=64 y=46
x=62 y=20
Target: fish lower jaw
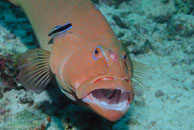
x=122 y=106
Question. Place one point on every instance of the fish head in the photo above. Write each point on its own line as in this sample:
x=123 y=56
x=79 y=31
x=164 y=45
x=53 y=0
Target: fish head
x=100 y=77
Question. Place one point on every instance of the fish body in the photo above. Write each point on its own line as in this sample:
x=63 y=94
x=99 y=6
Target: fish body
x=84 y=56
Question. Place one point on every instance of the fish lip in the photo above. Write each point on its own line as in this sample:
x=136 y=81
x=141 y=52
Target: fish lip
x=103 y=78
x=93 y=84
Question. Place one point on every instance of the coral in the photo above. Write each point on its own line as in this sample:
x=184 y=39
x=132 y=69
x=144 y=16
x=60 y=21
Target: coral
x=158 y=9
x=184 y=6
x=23 y=120
x=26 y=99
x=46 y=124
x=182 y=25
x=3 y=111
x=8 y=71
x=119 y=22
x=159 y=93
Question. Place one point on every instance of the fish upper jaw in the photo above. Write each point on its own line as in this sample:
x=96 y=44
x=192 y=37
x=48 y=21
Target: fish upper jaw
x=108 y=96
x=104 y=82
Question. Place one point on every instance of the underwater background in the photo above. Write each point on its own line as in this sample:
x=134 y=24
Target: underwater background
x=158 y=33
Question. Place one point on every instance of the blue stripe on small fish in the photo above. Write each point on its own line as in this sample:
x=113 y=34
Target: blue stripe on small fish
x=60 y=29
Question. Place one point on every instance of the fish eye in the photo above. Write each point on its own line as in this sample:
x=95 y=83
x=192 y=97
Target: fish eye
x=126 y=62
x=124 y=57
x=97 y=52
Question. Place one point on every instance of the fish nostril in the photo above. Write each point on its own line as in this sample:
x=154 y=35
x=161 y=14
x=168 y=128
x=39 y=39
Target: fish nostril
x=113 y=56
x=124 y=77
x=127 y=80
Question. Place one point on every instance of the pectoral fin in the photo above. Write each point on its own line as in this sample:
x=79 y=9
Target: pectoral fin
x=140 y=73
x=35 y=73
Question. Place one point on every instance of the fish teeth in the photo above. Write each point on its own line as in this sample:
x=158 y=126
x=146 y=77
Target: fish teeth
x=103 y=103
x=120 y=104
x=122 y=91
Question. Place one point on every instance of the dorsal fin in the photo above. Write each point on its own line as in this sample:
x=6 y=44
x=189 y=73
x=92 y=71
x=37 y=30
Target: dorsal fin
x=35 y=72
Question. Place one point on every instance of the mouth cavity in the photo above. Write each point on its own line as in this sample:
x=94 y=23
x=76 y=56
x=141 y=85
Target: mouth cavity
x=113 y=99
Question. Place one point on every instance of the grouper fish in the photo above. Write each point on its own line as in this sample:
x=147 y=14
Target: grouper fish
x=78 y=48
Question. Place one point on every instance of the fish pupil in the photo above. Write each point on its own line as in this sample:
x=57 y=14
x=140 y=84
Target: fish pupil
x=125 y=57
x=96 y=51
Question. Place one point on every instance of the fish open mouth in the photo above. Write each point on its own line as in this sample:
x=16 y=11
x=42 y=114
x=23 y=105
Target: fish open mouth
x=109 y=94
x=111 y=99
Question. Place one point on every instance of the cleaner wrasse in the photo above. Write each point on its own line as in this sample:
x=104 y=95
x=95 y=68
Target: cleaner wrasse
x=79 y=49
